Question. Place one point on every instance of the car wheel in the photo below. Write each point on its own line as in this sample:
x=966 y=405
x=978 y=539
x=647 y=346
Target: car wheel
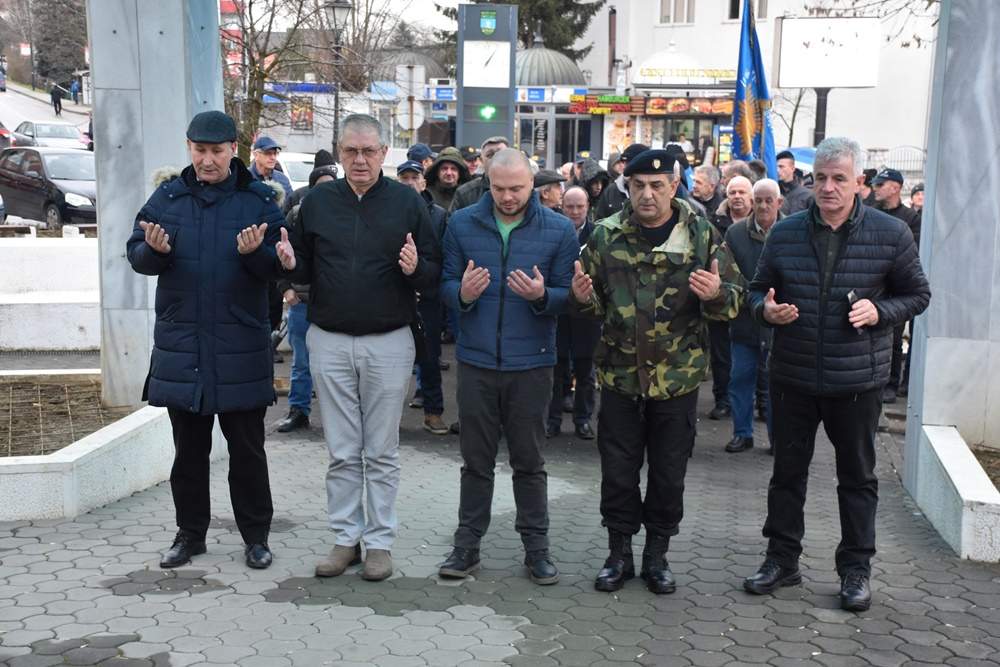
x=53 y=218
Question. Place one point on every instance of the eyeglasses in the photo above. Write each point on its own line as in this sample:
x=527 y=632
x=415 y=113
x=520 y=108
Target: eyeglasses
x=352 y=152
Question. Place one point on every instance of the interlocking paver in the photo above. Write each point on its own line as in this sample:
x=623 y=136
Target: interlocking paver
x=95 y=579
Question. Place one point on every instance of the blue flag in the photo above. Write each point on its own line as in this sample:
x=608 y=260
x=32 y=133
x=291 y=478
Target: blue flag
x=753 y=138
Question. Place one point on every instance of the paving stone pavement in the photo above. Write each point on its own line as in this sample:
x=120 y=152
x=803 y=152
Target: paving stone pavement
x=89 y=591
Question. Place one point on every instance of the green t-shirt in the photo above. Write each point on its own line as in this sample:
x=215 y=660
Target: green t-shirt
x=505 y=228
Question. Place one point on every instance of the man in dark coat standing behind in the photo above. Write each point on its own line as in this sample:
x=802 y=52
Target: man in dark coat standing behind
x=209 y=235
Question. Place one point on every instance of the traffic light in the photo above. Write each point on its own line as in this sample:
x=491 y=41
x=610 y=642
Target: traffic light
x=487 y=112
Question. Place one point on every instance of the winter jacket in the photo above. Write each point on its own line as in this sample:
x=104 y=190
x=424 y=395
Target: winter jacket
x=438 y=216
x=711 y=205
x=347 y=249
x=612 y=199
x=746 y=243
x=722 y=220
x=469 y=193
x=577 y=336
x=500 y=330
x=820 y=353
x=443 y=197
x=910 y=217
x=590 y=173
x=797 y=198
x=212 y=338
x=276 y=175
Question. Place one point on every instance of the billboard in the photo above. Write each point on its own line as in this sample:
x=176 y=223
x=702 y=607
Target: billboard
x=806 y=48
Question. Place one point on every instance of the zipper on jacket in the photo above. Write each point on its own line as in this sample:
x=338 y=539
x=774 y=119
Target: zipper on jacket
x=503 y=291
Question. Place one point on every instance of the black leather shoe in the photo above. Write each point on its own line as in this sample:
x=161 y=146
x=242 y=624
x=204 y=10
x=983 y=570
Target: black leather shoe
x=541 y=569
x=460 y=563
x=720 y=411
x=655 y=571
x=296 y=419
x=258 y=556
x=455 y=428
x=552 y=430
x=739 y=444
x=770 y=577
x=619 y=566
x=888 y=395
x=855 y=592
x=183 y=548
x=584 y=431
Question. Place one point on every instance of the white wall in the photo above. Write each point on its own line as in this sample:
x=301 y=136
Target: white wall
x=892 y=114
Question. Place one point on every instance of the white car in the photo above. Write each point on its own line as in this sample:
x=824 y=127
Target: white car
x=297 y=167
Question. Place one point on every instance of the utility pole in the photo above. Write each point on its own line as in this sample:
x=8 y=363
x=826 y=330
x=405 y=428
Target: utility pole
x=409 y=100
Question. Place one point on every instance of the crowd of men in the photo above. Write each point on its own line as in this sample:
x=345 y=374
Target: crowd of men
x=635 y=279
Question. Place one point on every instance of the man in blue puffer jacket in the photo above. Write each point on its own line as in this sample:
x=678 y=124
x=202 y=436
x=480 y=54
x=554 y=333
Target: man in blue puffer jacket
x=508 y=265
x=210 y=234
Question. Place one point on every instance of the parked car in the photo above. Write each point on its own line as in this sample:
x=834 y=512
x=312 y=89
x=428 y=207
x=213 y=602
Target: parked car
x=49 y=133
x=5 y=136
x=3 y=211
x=3 y=81
x=297 y=167
x=57 y=185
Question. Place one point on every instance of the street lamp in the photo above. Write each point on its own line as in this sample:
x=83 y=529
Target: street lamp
x=338 y=13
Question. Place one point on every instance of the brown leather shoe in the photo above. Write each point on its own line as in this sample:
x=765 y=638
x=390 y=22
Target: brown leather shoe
x=434 y=424
x=341 y=557
x=378 y=565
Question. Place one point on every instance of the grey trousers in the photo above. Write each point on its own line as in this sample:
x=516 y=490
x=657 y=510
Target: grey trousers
x=361 y=383
x=517 y=402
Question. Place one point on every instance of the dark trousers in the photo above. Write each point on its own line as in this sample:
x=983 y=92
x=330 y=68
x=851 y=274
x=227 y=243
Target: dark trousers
x=898 y=376
x=57 y=106
x=249 y=488
x=850 y=422
x=515 y=401
x=275 y=301
x=583 y=397
x=430 y=364
x=629 y=428
x=718 y=333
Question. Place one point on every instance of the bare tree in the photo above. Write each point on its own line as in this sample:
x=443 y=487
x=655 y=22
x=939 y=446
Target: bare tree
x=788 y=104
x=907 y=19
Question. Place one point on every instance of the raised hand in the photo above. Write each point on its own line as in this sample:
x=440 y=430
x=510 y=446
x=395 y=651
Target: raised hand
x=156 y=237
x=408 y=256
x=779 y=313
x=583 y=286
x=529 y=288
x=250 y=238
x=863 y=314
x=475 y=280
x=706 y=284
x=285 y=253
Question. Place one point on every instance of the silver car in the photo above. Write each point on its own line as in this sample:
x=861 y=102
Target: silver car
x=54 y=134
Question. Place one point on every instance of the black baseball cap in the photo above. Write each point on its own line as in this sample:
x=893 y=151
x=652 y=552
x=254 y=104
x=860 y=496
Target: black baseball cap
x=887 y=175
x=410 y=165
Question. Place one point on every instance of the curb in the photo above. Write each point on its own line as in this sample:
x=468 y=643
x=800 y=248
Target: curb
x=35 y=97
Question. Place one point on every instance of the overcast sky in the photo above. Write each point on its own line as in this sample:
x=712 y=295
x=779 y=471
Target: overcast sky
x=423 y=12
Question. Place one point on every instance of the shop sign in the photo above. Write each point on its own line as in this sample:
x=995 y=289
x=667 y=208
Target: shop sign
x=696 y=106
x=603 y=105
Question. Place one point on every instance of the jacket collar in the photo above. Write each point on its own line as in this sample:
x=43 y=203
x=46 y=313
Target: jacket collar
x=680 y=238
x=854 y=220
x=182 y=186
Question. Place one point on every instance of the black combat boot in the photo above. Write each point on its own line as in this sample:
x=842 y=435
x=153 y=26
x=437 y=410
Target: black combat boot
x=619 y=567
x=655 y=571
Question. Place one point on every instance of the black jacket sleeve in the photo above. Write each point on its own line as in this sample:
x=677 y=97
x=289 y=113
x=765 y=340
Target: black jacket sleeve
x=428 y=248
x=764 y=278
x=140 y=255
x=909 y=292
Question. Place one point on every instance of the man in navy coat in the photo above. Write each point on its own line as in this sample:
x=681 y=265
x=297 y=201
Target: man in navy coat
x=209 y=234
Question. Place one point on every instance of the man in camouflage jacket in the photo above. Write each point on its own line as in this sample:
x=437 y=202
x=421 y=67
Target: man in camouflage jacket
x=654 y=273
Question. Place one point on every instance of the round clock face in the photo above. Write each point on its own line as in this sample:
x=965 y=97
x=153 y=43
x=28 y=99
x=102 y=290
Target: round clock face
x=486 y=64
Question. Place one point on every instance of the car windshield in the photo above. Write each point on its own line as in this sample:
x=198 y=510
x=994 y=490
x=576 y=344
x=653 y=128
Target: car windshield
x=70 y=167
x=56 y=131
x=297 y=171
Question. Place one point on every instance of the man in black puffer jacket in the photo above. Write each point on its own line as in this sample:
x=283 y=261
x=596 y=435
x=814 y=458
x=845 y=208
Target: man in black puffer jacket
x=833 y=281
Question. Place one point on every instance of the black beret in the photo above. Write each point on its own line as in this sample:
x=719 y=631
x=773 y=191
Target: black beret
x=785 y=155
x=633 y=150
x=653 y=161
x=548 y=177
x=212 y=127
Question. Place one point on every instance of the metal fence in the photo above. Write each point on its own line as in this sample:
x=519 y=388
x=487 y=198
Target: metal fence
x=908 y=160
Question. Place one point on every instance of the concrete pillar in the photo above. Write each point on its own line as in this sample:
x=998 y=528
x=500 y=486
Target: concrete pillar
x=955 y=371
x=154 y=65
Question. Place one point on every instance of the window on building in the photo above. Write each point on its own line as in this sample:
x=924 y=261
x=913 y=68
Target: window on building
x=736 y=9
x=677 y=11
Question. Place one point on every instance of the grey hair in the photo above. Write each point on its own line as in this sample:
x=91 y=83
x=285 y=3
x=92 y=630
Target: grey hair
x=508 y=158
x=735 y=180
x=738 y=168
x=710 y=172
x=832 y=149
x=495 y=140
x=361 y=122
x=767 y=184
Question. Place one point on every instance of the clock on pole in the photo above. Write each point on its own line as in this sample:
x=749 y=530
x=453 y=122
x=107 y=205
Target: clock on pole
x=487 y=47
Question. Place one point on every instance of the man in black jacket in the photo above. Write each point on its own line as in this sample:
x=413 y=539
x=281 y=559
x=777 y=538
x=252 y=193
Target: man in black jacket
x=429 y=396
x=706 y=189
x=832 y=282
x=614 y=196
x=887 y=186
x=749 y=342
x=797 y=198
x=365 y=245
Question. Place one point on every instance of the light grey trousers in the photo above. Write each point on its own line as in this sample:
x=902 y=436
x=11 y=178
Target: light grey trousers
x=361 y=383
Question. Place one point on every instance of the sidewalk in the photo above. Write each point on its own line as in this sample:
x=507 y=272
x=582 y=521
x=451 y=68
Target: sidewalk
x=43 y=96
x=89 y=591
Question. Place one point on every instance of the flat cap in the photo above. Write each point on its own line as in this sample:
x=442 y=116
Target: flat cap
x=548 y=177
x=653 y=161
x=211 y=127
